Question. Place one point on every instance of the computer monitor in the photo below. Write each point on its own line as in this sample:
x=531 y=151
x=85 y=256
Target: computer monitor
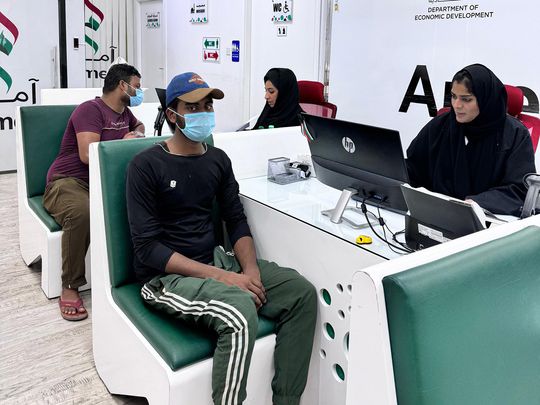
x=435 y=218
x=366 y=162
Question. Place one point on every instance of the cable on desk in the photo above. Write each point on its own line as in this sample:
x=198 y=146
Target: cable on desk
x=384 y=224
x=394 y=235
x=394 y=248
x=394 y=238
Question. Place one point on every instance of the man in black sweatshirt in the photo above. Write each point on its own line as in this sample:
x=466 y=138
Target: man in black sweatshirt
x=170 y=190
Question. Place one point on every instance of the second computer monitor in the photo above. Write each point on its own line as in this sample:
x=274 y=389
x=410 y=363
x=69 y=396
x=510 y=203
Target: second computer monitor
x=362 y=157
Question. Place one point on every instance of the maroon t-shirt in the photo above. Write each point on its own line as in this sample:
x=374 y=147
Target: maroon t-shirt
x=90 y=116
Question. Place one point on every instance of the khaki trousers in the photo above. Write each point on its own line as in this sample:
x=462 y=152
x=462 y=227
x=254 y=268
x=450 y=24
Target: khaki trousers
x=66 y=199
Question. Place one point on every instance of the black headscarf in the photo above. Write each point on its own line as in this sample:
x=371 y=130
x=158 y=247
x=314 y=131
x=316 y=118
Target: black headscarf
x=484 y=160
x=491 y=97
x=285 y=111
x=467 y=163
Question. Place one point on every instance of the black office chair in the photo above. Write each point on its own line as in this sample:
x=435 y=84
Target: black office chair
x=160 y=119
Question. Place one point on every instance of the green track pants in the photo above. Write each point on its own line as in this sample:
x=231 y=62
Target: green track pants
x=231 y=313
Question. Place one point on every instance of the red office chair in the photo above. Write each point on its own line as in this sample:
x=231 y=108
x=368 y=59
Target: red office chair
x=441 y=111
x=311 y=99
x=514 y=108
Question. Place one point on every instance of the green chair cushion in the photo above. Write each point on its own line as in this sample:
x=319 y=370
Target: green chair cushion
x=36 y=204
x=42 y=132
x=114 y=157
x=465 y=329
x=178 y=344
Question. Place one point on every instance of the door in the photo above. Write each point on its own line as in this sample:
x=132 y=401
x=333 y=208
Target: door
x=151 y=48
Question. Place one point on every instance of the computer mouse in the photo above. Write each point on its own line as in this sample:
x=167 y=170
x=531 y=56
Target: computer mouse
x=364 y=240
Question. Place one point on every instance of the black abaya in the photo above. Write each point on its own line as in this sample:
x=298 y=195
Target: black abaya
x=484 y=160
x=285 y=111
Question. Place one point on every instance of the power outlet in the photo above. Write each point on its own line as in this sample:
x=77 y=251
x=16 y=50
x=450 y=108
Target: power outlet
x=282 y=30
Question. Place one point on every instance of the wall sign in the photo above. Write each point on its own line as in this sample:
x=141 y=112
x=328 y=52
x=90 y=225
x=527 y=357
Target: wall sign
x=235 y=51
x=211 y=51
x=153 y=20
x=20 y=81
x=102 y=48
x=199 y=12
x=282 y=11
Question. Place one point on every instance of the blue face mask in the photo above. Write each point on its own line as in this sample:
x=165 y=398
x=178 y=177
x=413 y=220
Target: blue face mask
x=137 y=99
x=199 y=126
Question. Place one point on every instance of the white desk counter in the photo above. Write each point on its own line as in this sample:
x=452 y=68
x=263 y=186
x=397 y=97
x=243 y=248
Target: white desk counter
x=306 y=199
x=288 y=228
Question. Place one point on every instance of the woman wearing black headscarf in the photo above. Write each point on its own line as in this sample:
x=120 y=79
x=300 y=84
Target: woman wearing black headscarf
x=281 y=94
x=475 y=151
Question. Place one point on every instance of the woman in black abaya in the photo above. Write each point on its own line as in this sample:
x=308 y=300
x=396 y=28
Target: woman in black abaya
x=475 y=151
x=281 y=95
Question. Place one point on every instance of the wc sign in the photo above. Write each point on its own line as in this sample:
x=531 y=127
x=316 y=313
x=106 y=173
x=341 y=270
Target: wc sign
x=282 y=11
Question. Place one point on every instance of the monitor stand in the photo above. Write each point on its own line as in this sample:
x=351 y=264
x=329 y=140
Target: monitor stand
x=336 y=214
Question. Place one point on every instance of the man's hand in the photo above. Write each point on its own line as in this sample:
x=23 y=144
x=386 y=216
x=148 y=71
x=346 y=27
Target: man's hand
x=245 y=254
x=133 y=134
x=249 y=282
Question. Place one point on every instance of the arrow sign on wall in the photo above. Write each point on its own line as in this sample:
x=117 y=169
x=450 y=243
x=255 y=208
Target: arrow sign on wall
x=211 y=49
x=211 y=56
x=211 y=43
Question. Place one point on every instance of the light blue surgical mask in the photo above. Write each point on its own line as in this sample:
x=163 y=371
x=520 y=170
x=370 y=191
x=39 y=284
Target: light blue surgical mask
x=199 y=126
x=137 y=99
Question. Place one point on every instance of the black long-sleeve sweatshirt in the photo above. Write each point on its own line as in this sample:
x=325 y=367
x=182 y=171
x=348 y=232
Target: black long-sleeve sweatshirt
x=169 y=204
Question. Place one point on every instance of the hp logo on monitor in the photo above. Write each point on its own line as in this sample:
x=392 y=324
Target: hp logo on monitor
x=348 y=144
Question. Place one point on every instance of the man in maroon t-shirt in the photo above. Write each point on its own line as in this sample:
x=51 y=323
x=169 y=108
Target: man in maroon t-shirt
x=66 y=196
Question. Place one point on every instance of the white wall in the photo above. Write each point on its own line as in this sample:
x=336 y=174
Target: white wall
x=301 y=50
x=260 y=49
x=150 y=52
x=377 y=45
x=112 y=37
x=226 y=19
x=75 y=57
x=30 y=66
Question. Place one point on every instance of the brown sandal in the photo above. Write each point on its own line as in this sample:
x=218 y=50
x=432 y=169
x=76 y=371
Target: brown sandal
x=78 y=304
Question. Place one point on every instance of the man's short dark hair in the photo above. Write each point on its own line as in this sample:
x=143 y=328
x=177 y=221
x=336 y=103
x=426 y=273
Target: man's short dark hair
x=172 y=105
x=118 y=73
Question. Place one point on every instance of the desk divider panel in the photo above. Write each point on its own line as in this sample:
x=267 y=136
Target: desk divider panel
x=464 y=329
x=249 y=151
